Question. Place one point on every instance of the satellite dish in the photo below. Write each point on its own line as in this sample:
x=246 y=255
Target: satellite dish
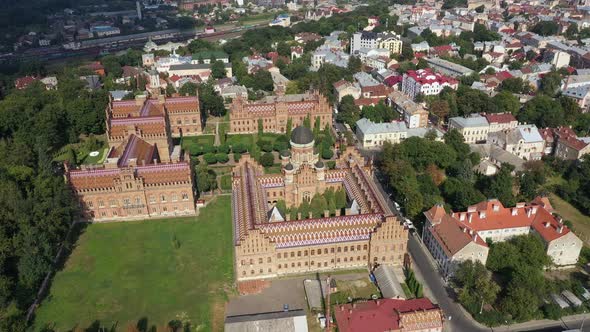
x=94 y=154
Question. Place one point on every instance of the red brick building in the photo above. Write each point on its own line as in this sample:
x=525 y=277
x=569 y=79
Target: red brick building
x=143 y=174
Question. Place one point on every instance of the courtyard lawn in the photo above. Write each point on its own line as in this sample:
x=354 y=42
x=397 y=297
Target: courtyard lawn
x=580 y=222
x=159 y=270
x=193 y=144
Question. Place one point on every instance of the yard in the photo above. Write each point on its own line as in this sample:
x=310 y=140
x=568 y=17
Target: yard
x=192 y=144
x=356 y=289
x=159 y=270
x=580 y=222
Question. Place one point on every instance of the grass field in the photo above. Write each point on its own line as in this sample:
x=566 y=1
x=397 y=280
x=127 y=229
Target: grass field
x=192 y=143
x=157 y=270
x=567 y=211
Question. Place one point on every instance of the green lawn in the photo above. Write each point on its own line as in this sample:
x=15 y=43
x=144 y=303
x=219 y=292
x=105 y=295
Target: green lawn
x=154 y=269
x=193 y=143
x=89 y=160
x=580 y=221
x=246 y=139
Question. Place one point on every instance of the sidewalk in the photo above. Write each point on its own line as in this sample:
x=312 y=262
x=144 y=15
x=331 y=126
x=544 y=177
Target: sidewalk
x=545 y=323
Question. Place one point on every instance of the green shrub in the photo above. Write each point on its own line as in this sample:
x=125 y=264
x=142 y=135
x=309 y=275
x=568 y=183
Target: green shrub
x=209 y=149
x=237 y=157
x=327 y=153
x=210 y=158
x=239 y=148
x=331 y=164
x=267 y=159
x=223 y=148
x=266 y=147
x=222 y=158
x=552 y=311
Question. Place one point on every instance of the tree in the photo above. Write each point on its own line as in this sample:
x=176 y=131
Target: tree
x=441 y=109
x=340 y=199
x=354 y=64
x=188 y=89
x=267 y=159
x=210 y=100
x=476 y=286
x=289 y=127
x=284 y=49
x=348 y=111
x=218 y=69
x=545 y=28
x=550 y=83
x=572 y=30
x=500 y=185
x=456 y=141
x=460 y=193
x=262 y=80
x=543 y=111
x=514 y=85
x=506 y=102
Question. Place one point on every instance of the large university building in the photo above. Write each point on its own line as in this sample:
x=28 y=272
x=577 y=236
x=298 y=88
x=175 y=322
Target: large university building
x=274 y=112
x=268 y=244
x=144 y=175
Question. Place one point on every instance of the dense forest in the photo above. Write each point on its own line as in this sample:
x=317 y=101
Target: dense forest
x=37 y=207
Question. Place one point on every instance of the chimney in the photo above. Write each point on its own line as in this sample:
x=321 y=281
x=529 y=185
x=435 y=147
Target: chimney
x=496 y=207
x=560 y=229
x=462 y=216
x=514 y=211
x=464 y=229
x=470 y=215
x=547 y=224
x=475 y=237
x=529 y=212
x=560 y=220
x=482 y=214
x=535 y=208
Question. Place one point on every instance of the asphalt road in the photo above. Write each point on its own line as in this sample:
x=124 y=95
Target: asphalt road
x=456 y=319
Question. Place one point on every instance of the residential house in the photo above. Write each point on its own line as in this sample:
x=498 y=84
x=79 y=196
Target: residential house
x=474 y=128
x=525 y=141
x=413 y=114
x=346 y=88
x=563 y=143
x=500 y=121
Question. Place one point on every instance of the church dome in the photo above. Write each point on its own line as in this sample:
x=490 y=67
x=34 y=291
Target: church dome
x=301 y=135
x=289 y=167
x=319 y=164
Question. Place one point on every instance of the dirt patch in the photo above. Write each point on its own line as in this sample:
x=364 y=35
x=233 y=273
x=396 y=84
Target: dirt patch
x=217 y=315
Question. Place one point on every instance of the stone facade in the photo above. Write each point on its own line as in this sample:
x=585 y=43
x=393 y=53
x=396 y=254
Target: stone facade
x=266 y=248
x=143 y=174
x=275 y=111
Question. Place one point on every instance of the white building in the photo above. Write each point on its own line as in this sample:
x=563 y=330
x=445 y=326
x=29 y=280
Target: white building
x=370 y=40
x=474 y=128
x=449 y=234
x=426 y=82
x=524 y=141
x=372 y=134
